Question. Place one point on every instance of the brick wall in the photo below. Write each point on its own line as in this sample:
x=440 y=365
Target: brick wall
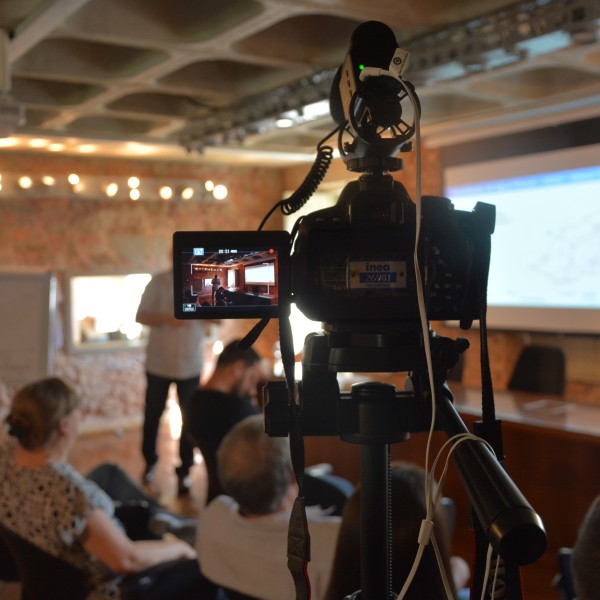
x=99 y=236
x=103 y=235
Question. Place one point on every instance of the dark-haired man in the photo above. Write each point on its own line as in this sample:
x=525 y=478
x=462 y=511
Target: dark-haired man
x=226 y=398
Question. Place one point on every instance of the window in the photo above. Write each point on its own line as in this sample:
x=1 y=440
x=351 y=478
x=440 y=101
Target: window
x=102 y=309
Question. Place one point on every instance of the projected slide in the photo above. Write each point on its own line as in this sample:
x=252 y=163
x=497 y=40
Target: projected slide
x=545 y=249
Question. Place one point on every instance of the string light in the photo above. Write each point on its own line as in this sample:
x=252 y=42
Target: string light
x=220 y=192
x=25 y=182
x=165 y=192
x=97 y=187
x=111 y=189
x=187 y=193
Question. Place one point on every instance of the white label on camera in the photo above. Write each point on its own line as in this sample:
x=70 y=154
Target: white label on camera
x=377 y=274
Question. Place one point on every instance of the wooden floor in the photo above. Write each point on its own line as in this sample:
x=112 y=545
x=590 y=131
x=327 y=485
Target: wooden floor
x=122 y=446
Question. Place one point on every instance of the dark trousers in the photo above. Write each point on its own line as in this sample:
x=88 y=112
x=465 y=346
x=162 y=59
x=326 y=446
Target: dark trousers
x=157 y=391
x=133 y=506
x=120 y=488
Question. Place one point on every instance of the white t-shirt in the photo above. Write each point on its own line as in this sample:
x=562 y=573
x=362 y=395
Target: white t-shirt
x=172 y=352
x=250 y=555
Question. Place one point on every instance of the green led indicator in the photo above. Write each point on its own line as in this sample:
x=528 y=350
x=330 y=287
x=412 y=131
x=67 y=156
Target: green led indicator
x=361 y=67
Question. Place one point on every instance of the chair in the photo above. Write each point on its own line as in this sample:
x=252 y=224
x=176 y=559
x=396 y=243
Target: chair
x=8 y=567
x=563 y=582
x=46 y=577
x=42 y=575
x=323 y=488
x=539 y=369
x=449 y=509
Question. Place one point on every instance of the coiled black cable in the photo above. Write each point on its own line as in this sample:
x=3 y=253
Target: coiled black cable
x=310 y=184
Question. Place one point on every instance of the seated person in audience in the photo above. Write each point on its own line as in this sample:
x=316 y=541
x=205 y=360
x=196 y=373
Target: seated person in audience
x=585 y=560
x=242 y=537
x=226 y=398
x=50 y=505
x=408 y=510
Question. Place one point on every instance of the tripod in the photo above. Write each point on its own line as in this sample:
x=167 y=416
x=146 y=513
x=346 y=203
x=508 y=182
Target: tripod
x=371 y=400
x=379 y=416
x=371 y=415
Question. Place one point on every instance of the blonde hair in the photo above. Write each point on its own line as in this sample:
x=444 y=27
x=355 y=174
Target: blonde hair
x=37 y=409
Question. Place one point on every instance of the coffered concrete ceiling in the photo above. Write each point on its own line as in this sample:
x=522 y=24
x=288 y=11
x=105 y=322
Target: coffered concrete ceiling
x=157 y=77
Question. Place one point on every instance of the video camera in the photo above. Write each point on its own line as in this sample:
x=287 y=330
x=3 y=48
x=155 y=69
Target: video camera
x=352 y=265
x=374 y=269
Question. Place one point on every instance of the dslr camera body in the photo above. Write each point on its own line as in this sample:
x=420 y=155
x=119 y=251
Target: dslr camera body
x=360 y=266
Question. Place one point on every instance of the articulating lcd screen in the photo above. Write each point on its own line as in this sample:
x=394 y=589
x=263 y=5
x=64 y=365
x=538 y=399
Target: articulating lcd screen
x=230 y=274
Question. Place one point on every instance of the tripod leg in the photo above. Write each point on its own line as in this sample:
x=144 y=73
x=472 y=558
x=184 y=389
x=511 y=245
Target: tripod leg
x=375 y=506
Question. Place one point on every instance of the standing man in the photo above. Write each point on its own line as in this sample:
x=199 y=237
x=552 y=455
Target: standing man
x=216 y=284
x=174 y=355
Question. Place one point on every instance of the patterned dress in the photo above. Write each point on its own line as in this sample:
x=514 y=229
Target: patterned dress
x=49 y=507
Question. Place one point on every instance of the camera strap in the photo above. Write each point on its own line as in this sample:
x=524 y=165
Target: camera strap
x=504 y=581
x=298 y=534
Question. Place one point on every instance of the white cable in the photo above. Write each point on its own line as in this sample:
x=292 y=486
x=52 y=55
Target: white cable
x=417 y=561
x=427 y=523
x=442 y=568
x=488 y=560
x=496 y=569
x=424 y=332
x=455 y=441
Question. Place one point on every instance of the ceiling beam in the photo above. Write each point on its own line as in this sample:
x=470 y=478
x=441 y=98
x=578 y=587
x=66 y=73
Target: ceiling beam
x=39 y=24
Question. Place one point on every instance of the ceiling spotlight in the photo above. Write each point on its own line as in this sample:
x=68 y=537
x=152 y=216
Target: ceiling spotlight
x=38 y=143
x=187 y=193
x=134 y=194
x=284 y=123
x=56 y=147
x=73 y=179
x=209 y=186
x=48 y=180
x=133 y=182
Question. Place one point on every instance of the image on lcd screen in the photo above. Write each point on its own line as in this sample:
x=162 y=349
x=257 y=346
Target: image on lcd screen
x=226 y=277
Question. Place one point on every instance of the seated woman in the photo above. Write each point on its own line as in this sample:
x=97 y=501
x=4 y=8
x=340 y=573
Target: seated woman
x=408 y=510
x=47 y=503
